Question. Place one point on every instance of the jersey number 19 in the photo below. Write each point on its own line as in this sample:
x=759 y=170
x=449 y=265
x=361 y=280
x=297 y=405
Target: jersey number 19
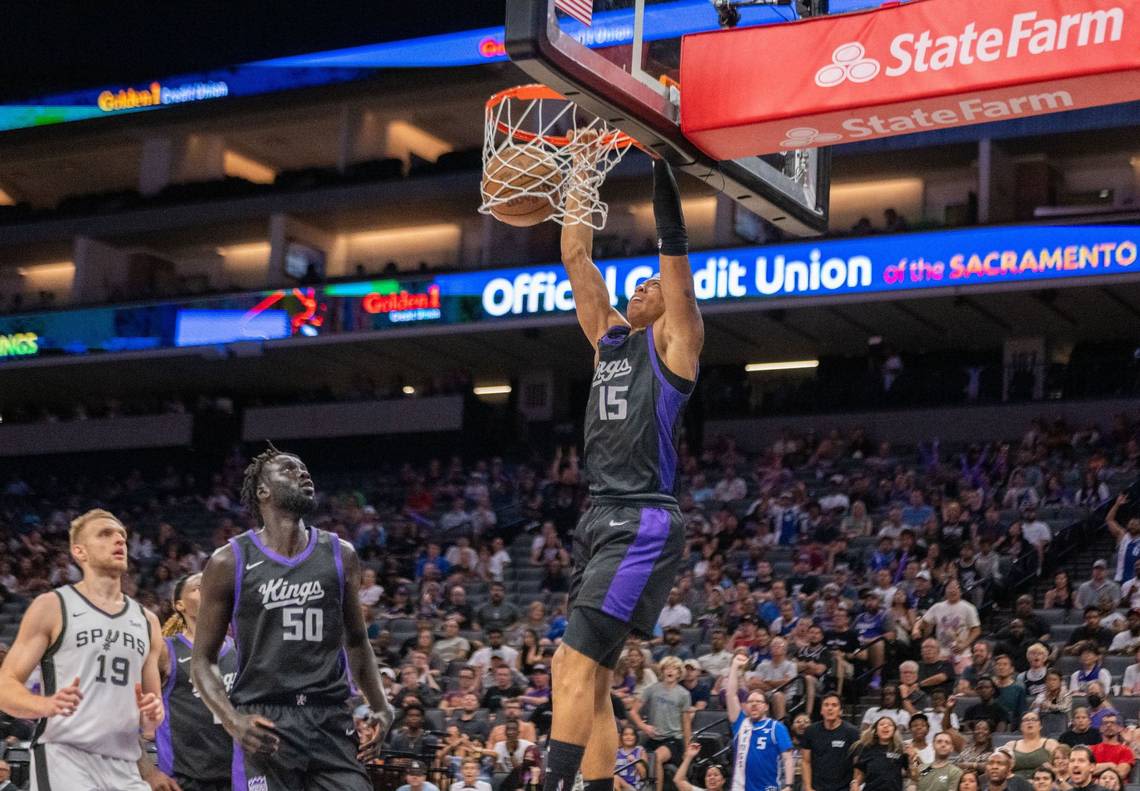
x=120 y=670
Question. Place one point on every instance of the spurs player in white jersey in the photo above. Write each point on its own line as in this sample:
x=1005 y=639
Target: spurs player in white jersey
x=97 y=651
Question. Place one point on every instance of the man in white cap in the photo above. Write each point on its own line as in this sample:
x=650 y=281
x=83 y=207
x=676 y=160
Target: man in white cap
x=699 y=689
x=1100 y=588
x=924 y=596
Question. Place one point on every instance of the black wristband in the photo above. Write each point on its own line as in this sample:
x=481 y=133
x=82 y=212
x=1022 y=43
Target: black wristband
x=672 y=237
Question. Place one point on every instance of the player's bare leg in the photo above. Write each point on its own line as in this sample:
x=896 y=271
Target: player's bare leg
x=602 y=747
x=572 y=703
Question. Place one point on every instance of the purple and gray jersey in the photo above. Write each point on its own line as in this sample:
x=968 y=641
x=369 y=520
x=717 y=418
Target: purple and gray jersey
x=288 y=623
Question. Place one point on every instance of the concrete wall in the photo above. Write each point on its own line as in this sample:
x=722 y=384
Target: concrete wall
x=122 y=433
x=409 y=416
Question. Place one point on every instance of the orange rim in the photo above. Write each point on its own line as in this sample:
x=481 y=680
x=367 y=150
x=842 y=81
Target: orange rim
x=539 y=92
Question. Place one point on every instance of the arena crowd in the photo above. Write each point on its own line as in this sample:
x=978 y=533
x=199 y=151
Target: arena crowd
x=903 y=596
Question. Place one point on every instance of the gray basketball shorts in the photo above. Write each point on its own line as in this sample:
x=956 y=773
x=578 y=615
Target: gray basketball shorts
x=626 y=558
x=317 y=753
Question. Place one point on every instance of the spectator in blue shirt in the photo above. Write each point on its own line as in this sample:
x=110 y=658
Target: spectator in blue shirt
x=916 y=514
x=871 y=624
x=433 y=556
x=884 y=556
x=770 y=610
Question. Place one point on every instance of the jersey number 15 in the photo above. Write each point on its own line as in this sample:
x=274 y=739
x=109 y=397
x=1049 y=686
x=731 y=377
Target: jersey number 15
x=612 y=404
x=303 y=623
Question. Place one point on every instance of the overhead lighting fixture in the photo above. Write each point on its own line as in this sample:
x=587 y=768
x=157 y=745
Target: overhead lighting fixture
x=409 y=390
x=243 y=249
x=404 y=136
x=493 y=390
x=57 y=269
x=248 y=168
x=788 y=365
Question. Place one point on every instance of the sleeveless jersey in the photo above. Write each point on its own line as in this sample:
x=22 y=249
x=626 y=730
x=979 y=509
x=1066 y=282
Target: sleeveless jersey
x=190 y=741
x=106 y=652
x=632 y=419
x=757 y=765
x=288 y=623
x=1127 y=553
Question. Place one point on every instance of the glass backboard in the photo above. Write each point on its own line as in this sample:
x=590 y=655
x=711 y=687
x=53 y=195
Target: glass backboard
x=625 y=67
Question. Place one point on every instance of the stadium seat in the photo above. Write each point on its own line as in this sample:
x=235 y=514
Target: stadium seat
x=1062 y=632
x=964 y=704
x=1117 y=665
x=711 y=720
x=1054 y=617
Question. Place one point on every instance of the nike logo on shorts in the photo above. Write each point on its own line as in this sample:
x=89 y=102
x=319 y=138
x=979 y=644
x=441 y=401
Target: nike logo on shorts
x=249 y=566
x=183 y=660
x=618 y=524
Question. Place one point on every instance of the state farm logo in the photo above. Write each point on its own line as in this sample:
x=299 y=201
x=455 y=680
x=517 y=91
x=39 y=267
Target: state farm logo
x=804 y=136
x=849 y=63
x=1023 y=34
x=953 y=112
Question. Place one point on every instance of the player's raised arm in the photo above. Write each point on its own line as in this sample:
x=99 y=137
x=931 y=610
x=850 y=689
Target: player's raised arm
x=732 y=686
x=682 y=326
x=42 y=620
x=591 y=297
x=361 y=659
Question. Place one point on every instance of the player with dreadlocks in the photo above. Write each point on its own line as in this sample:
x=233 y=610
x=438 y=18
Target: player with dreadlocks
x=292 y=594
x=194 y=752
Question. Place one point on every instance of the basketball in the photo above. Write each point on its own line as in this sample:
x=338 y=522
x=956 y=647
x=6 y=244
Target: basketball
x=521 y=189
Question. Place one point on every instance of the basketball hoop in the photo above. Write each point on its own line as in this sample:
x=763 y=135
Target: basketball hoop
x=538 y=148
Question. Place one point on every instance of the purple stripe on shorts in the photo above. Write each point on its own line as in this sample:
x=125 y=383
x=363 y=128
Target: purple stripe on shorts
x=237 y=768
x=633 y=573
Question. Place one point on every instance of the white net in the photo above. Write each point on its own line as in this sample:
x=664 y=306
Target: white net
x=539 y=145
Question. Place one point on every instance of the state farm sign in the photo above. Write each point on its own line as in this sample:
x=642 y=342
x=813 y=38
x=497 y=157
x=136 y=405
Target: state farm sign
x=909 y=68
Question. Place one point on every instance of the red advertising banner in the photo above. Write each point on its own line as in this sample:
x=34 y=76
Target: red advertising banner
x=909 y=68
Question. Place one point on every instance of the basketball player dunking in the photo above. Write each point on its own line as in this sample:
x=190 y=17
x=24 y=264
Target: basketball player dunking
x=627 y=546
x=291 y=592
x=194 y=751
x=98 y=654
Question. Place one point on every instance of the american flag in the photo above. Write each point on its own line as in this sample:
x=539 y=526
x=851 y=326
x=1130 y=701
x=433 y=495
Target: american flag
x=582 y=10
